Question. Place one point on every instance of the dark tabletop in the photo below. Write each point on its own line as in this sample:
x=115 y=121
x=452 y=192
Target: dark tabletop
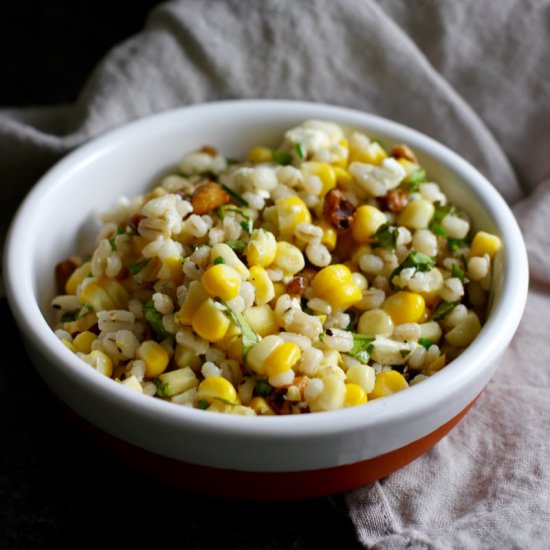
x=59 y=489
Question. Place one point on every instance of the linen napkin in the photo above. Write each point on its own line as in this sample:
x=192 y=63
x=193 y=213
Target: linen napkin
x=473 y=74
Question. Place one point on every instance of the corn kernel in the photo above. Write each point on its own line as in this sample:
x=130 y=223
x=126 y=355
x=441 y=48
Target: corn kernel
x=280 y=289
x=154 y=356
x=261 y=248
x=388 y=382
x=132 y=383
x=289 y=258
x=104 y=293
x=290 y=212
x=329 y=235
x=374 y=153
x=259 y=352
x=465 y=331
x=260 y=406
x=209 y=322
x=217 y=388
x=221 y=281
x=343 y=178
x=417 y=214
x=77 y=276
x=176 y=381
x=375 y=322
x=185 y=357
x=83 y=341
x=282 y=359
x=362 y=375
x=224 y=251
x=485 y=243
x=263 y=286
x=335 y=285
x=355 y=395
x=405 y=307
x=366 y=221
x=262 y=320
x=99 y=361
x=332 y=395
x=324 y=171
x=69 y=345
x=196 y=295
x=259 y=155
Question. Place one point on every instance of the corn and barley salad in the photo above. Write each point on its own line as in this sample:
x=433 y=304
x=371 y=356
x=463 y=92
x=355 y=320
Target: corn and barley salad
x=318 y=275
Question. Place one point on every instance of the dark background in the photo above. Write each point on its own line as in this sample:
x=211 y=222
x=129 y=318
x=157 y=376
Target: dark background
x=58 y=489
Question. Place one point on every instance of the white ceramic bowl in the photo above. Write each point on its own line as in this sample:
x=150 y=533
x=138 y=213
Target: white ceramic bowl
x=249 y=457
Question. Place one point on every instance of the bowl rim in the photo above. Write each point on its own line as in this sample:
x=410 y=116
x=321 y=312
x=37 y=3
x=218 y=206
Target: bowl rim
x=419 y=399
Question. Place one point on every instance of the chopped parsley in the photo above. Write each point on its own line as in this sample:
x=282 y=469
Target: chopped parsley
x=235 y=195
x=385 y=236
x=203 y=404
x=425 y=343
x=163 y=390
x=137 y=267
x=443 y=309
x=441 y=210
x=300 y=151
x=282 y=157
x=84 y=310
x=248 y=336
x=262 y=388
x=154 y=318
x=118 y=232
x=418 y=260
x=218 y=260
x=238 y=245
x=362 y=347
x=247 y=225
x=414 y=179
x=456 y=244
x=457 y=272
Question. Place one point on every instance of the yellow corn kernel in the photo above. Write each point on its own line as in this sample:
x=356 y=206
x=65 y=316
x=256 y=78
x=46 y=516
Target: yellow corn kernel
x=324 y=171
x=290 y=212
x=332 y=395
x=154 y=356
x=259 y=352
x=83 y=341
x=465 y=331
x=375 y=322
x=217 y=388
x=221 y=281
x=259 y=155
x=69 y=345
x=262 y=319
x=260 y=406
x=224 y=251
x=263 y=286
x=405 y=307
x=99 y=361
x=388 y=382
x=365 y=223
x=280 y=289
x=362 y=375
x=185 y=357
x=261 y=248
x=343 y=178
x=282 y=358
x=374 y=153
x=417 y=214
x=289 y=258
x=330 y=235
x=196 y=295
x=485 y=243
x=171 y=269
x=104 y=293
x=355 y=395
x=335 y=285
x=77 y=276
x=176 y=381
x=210 y=322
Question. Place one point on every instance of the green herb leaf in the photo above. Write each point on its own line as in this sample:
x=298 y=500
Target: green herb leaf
x=154 y=318
x=458 y=272
x=84 y=310
x=203 y=404
x=443 y=309
x=163 y=389
x=137 y=267
x=414 y=179
x=362 y=347
x=456 y=244
x=218 y=260
x=235 y=195
x=262 y=388
x=248 y=336
x=418 y=260
x=238 y=245
x=68 y=317
x=385 y=236
x=425 y=343
x=246 y=226
x=300 y=151
x=282 y=157
x=441 y=210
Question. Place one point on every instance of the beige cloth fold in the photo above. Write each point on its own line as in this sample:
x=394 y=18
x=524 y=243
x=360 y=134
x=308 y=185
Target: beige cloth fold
x=473 y=74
